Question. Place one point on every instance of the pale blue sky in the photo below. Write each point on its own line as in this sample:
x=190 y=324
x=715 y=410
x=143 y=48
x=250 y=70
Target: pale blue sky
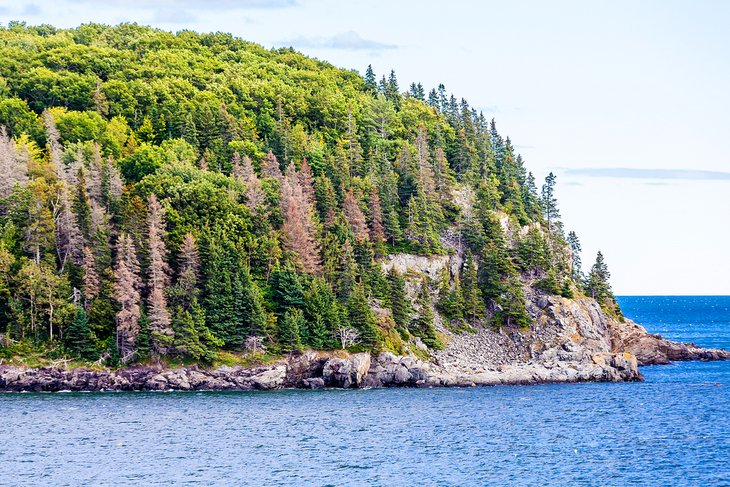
x=626 y=101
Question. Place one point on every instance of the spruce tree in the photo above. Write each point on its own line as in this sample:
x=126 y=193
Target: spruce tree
x=78 y=339
x=250 y=307
x=323 y=315
x=474 y=308
x=423 y=325
x=549 y=202
x=370 y=82
x=361 y=317
x=159 y=279
x=400 y=305
x=598 y=286
x=576 y=271
x=451 y=300
x=288 y=329
x=287 y=291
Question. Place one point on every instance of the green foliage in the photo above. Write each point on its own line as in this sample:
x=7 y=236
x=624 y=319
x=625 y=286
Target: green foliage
x=99 y=118
x=288 y=330
x=598 y=287
x=400 y=304
x=323 y=313
x=423 y=325
x=451 y=300
x=361 y=317
x=78 y=338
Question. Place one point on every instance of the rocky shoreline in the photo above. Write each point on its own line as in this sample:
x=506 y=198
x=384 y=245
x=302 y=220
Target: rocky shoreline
x=571 y=341
x=311 y=370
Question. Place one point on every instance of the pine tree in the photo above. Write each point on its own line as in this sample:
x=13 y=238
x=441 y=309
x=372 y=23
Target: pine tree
x=474 y=308
x=355 y=217
x=400 y=304
x=78 y=338
x=423 y=325
x=549 y=202
x=288 y=330
x=370 y=83
x=361 y=317
x=158 y=279
x=126 y=293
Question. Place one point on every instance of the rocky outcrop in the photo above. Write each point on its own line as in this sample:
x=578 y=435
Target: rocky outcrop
x=346 y=372
x=652 y=349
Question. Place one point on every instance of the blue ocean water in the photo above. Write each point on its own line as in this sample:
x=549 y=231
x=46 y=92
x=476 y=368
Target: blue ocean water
x=672 y=429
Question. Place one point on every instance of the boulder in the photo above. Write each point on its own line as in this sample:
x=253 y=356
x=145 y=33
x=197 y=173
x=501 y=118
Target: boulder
x=270 y=378
x=313 y=383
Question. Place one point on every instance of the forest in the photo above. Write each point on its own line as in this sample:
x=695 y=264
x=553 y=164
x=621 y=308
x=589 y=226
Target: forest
x=195 y=196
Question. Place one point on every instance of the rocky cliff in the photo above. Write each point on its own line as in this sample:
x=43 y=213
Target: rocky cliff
x=571 y=340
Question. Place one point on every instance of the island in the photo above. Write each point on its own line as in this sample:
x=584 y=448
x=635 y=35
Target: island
x=196 y=212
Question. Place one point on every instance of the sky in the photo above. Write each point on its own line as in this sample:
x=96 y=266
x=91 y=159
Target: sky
x=627 y=102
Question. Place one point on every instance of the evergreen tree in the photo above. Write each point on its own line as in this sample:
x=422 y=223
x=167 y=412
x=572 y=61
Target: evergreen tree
x=355 y=217
x=126 y=293
x=299 y=228
x=192 y=337
x=423 y=325
x=549 y=202
x=597 y=284
x=399 y=302
x=361 y=317
x=323 y=315
x=474 y=308
x=289 y=326
x=78 y=338
x=370 y=82
x=287 y=291
x=159 y=279
x=250 y=308
x=576 y=271
x=451 y=300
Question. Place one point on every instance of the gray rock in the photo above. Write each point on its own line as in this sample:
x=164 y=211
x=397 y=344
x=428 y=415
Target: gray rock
x=313 y=383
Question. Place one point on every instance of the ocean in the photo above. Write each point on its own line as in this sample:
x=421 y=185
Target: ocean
x=672 y=429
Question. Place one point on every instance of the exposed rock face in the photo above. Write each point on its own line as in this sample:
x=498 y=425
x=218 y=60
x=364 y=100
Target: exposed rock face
x=569 y=342
x=430 y=266
x=346 y=372
x=652 y=349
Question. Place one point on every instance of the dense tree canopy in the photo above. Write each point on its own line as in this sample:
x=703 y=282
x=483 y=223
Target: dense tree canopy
x=172 y=194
